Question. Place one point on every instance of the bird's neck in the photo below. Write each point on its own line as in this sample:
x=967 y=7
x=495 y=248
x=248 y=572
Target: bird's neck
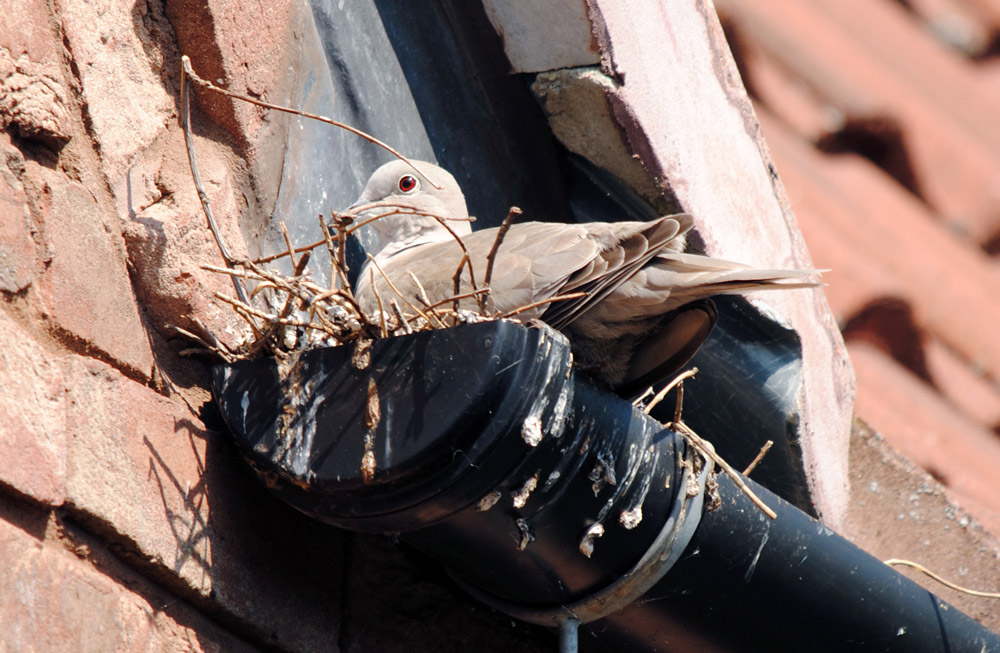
x=397 y=246
x=396 y=235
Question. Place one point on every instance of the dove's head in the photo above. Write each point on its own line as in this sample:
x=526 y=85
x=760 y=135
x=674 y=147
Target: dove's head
x=414 y=202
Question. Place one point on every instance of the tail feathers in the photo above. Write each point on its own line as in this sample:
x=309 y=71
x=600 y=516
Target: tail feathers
x=760 y=280
x=739 y=286
x=701 y=276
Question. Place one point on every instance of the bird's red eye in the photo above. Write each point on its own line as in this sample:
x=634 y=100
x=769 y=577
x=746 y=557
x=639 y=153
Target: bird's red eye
x=408 y=183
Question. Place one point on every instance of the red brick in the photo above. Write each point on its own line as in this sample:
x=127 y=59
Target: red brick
x=948 y=82
x=52 y=600
x=33 y=93
x=85 y=294
x=168 y=240
x=19 y=261
x=144 y=471
x=32 y=417
x=894 y=39
x=242 y=44
x=888 y=324
x=25 y=29
x=118 y=63
x=33 y=98
x=988 y=11
x=922 y=426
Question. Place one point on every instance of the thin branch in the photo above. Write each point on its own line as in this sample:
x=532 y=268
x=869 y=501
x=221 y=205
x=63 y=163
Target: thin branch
x=262 y=286
x=396 y=209
x=394 y=288
x=297 y=250
x=472 y=293
x=265 y=280
x=193 y=164
x=405 y=210
x=641 y=398
x=338 y=258
x=512 y=214
x=289 y=302
x=186 y=68
x=241 y=271
x=679 y=404
x=677 y=381
x=760 y=456
x=217 y=348
x=378 y=301
x=422 y=298
x=404 y=323
x=275 y=319
x=342 y=222
x=467 y=258
x=242 y=308
x=288 y=244
x=958 y=588
x=208 y=335
x=457 y=281
x=542 y=302
x=706 y=449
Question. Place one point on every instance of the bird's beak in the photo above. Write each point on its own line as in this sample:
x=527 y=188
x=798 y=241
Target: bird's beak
x=357 y=207
x=361 y=209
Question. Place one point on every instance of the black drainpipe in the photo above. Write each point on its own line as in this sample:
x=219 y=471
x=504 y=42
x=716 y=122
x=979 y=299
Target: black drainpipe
x=560 y=504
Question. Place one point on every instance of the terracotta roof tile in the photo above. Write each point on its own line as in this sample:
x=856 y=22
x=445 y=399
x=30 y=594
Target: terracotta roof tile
x=960 y=24
x=889 y=325
x=895 y=87
x=965 y=387
x=889 y=245
x=987 y=11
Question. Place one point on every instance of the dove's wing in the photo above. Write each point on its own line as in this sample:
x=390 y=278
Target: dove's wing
x=626 y=247
x=532 y=265
x=536 y=262
x=537 y=255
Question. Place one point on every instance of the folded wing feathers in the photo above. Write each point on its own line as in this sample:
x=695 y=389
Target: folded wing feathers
x=627 y=248
x=639 y=263
x=686 y=277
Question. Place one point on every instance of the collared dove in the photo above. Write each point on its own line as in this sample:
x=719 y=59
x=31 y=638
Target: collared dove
x=645 y=311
